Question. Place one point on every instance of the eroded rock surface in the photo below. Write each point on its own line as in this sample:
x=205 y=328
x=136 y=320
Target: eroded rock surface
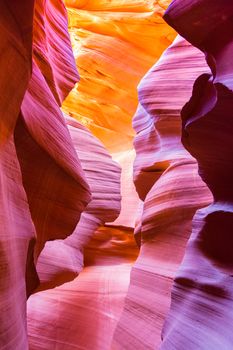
x=201 y=309
x=62 y=260
x=167 y=181
x=37 y=183
x=61 y=189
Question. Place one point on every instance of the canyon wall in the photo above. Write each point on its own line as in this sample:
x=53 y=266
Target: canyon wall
x=201 y=309
x=167 y=180
x=114 y=43
x=115 y=175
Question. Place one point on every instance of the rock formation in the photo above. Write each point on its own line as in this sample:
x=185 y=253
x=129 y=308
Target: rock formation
x=63 y=259
x=91 y=238
x=200 y=315
x=43 y=188
x=105 y=72
x=114 y=43
x=167 y=181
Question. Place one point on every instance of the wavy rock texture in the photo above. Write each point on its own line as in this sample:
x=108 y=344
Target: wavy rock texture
x=38 y=185
x=15 y=74
x=96 y=295
x=115 y=43
x=51 y=165
x=83 y=313
x=63 y=259
x=52 y=48
x=52 y=175
x=202 y=298
x=166 y=179
x=17 y=236
x=114 y=46
x=16 y=230
x=109 y=45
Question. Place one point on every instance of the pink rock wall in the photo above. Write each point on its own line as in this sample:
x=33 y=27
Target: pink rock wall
x=97 y=294
x=201 y=309
x=84 y=312
x=38 y=185
x=52 y=48
x=166 y=179
x=62 y=240
x=62 y=260
x=15 y=232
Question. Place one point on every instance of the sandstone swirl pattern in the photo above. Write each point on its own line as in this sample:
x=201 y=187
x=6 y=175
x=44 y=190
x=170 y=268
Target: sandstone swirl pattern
x=97 y=257
x=167 y=181
x=62 y=260
x=115 y=43
x=45 y=189
x=38 y=185
x=201 y=311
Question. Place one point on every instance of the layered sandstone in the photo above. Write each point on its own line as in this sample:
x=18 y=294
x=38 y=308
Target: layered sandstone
x=114 y=43
x=38 y=185
x=167 y=181
x=62 y=260
x=97 y=279
x=200 y=315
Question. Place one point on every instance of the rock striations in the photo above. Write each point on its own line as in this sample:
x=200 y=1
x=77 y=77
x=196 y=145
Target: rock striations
x=115 y=43
x=43 y=187
x=167 y=181
x=100 y=216
x=63 y=259
x=201 y=310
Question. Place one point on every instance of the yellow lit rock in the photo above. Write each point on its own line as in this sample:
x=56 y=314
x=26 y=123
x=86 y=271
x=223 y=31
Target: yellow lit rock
x=115 y=43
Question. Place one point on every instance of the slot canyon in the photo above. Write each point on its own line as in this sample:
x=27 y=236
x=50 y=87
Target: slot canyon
x=116 y=201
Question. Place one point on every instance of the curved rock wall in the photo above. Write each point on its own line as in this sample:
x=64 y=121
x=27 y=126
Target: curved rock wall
x=63 y=259
x=39 y=184
x=201 y=309
x=62 y=240
x=167 y=181
x=114 y=43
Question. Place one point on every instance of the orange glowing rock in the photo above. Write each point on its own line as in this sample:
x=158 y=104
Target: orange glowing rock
x=114 y=44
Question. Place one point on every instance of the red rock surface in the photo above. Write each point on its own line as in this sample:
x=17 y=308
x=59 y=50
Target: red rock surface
x=16 y=229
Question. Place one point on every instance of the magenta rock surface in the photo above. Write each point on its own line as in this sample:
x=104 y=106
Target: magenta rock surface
x=17 y=232
x=52 y=174
x=52 y=49
x=38 y=185
x=201 y=315
x=167 y=181
x=87 y=260
x=62 y=260
x=83 y=313
x=17 y=237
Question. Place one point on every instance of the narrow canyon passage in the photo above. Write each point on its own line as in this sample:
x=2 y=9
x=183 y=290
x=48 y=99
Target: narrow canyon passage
x=116 y=175
x=90 y=305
